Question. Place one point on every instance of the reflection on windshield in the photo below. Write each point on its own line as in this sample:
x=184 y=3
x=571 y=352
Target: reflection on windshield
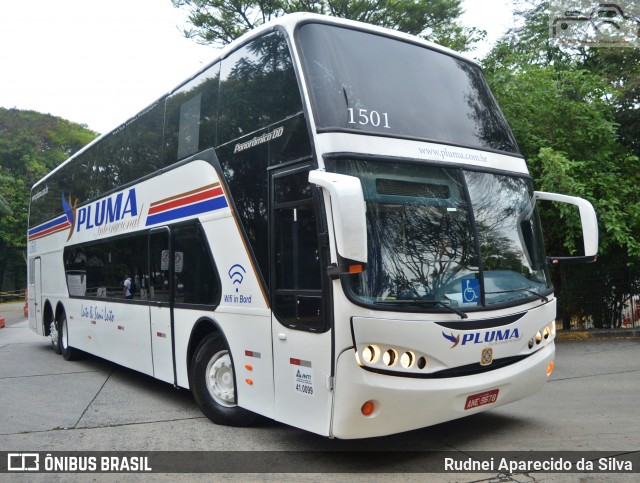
x=354 y=83
x=425 y=225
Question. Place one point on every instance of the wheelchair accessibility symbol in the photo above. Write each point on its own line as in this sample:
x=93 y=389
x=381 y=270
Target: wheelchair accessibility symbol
x=470 y=291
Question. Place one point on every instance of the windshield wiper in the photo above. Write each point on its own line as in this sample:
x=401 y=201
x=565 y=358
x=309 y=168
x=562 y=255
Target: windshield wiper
x=532 y=292
x=539 y=295
x=419 y=302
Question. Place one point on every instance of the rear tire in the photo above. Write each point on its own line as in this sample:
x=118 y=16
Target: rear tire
x=54 y=334
x=212 y=379
x=68 y=352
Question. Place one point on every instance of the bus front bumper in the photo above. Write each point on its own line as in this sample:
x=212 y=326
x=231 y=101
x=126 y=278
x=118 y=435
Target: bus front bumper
x=403 y=403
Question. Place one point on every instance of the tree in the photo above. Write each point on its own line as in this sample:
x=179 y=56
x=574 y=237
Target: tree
x=222 y=21
x=574 y=114
x=31 y=144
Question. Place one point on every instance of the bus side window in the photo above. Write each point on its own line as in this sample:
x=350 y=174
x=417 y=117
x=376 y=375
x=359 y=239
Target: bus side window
x=105 y=264
x=297 y=300
x=195 y=278
x=143 y=138
x=191 y=117
x=258 y=88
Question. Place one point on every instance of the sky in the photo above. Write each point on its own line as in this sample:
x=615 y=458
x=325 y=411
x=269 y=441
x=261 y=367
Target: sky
x=99 y=62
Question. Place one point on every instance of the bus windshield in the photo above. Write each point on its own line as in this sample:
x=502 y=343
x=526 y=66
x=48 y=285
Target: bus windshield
x=365 y=82
x=447 y=236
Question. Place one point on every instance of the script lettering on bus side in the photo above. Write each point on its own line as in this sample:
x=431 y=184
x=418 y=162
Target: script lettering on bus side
x=256 y=140
x=40 y=194
x=96 y=312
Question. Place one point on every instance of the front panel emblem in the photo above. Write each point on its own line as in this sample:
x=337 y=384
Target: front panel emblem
x=455 y=339
x=487 y=356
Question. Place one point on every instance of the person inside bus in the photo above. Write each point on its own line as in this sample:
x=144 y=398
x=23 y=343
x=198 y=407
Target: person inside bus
x=126 y=287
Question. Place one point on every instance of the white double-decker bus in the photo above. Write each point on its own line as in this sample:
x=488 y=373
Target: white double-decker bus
x=330 y=225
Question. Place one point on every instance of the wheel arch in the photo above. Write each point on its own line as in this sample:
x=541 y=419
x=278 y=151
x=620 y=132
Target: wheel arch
x=47 y=318
x=60 y=310
x=201 y=329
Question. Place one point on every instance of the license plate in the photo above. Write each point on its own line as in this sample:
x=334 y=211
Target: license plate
x=477 y=400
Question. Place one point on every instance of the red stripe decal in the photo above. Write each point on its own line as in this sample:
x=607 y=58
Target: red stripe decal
x=53 y=229
x=210 y=193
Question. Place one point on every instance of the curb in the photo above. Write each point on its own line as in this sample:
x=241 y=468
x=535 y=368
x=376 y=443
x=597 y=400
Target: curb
x=597 y=334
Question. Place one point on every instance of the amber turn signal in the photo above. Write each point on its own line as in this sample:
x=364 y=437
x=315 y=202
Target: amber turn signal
x=367 y=408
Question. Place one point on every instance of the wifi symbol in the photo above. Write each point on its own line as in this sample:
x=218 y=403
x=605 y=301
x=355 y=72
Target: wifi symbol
x=236 y=274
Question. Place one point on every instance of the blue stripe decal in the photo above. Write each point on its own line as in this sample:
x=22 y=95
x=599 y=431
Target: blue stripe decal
x=191 y=210
x=46 y=226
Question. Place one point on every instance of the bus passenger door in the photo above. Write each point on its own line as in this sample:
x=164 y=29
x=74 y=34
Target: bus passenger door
x=34 y=295
x=159 y=292
x=301 y=334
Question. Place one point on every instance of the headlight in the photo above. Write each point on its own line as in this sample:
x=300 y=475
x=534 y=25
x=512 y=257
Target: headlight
x=371 y=353
x=407 y=359
x=389 y=357
x=383 y=357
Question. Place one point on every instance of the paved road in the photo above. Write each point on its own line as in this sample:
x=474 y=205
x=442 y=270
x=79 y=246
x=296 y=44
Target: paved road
x=49 y=404
x=12 y=313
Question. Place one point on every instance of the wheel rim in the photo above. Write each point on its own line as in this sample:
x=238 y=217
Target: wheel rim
x=63 y=328
x=53 y=333
x=219 y=376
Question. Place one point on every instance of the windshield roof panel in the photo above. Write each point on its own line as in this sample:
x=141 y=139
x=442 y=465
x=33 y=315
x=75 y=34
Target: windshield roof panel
x=370 y=83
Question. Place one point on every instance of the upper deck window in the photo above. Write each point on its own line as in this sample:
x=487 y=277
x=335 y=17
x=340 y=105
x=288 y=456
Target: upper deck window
x=371 y=83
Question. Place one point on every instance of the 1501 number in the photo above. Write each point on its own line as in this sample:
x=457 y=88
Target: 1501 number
x=365 y=117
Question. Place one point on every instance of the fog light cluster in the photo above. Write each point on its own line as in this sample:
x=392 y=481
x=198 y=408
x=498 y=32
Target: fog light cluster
x=543 y=334
x=389 y=357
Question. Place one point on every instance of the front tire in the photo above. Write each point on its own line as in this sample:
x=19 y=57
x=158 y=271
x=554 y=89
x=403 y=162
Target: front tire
x=212 y=380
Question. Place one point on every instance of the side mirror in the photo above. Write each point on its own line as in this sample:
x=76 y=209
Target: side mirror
x=589 y=226
x=348 y=210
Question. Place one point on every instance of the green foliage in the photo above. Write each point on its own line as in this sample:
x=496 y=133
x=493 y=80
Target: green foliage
x=564 y=114
x=31 y=144
x=611 y=187
x=563 y=109
x=621 y=69
x=222 y=21
x=574 y=113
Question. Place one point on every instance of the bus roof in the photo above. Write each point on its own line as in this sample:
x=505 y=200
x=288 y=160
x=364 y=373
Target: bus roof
x=289 y=22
